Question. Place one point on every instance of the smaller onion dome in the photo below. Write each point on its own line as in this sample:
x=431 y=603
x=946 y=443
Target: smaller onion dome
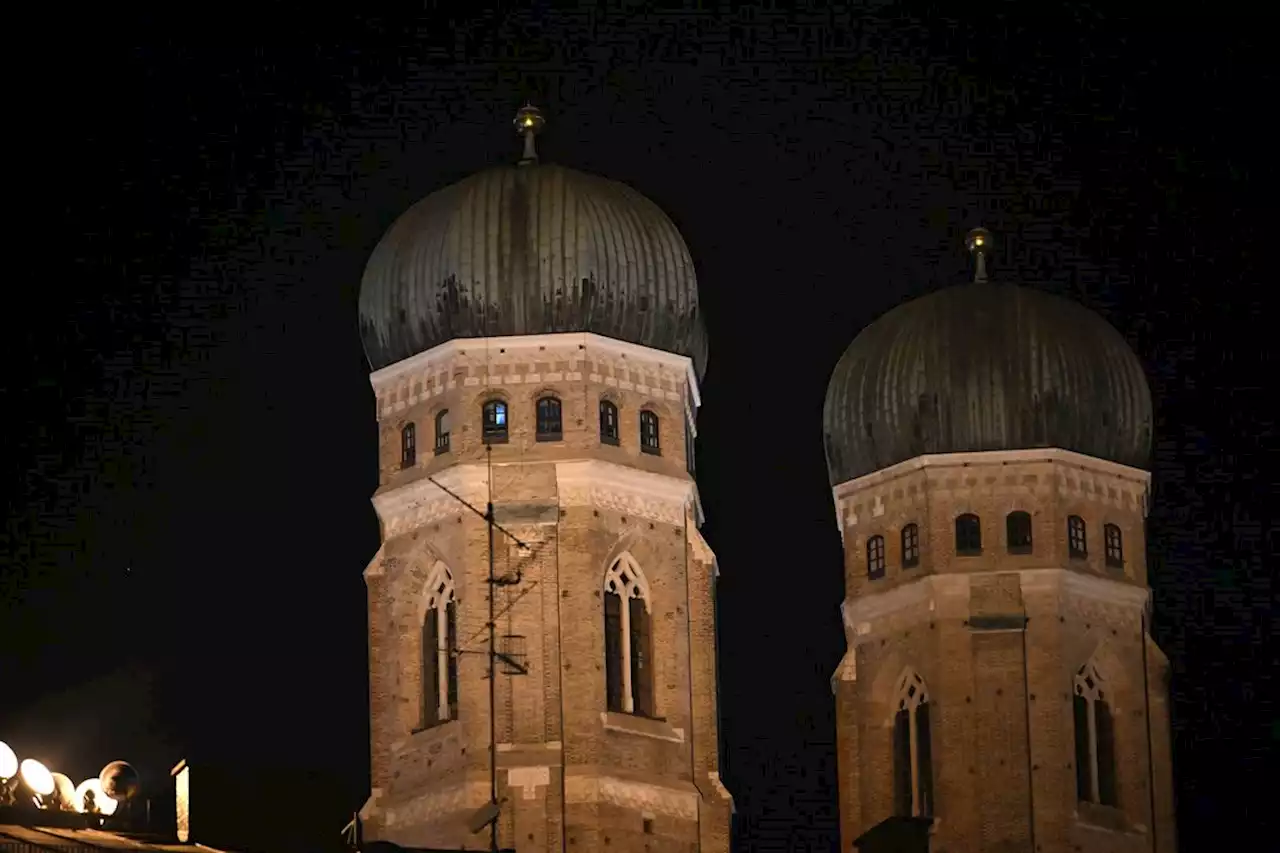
x=985 y=366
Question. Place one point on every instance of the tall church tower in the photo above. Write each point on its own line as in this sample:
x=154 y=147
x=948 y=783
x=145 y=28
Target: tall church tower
x=536 y=347
x=987 y=447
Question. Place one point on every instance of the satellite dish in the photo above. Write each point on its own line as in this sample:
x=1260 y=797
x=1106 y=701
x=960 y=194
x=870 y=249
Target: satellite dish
x=90 y=797
x=36 y=776
x=8 y=762
x=63 y=798
x=119 y=781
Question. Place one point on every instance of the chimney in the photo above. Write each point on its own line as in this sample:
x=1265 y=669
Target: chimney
x=181 y=774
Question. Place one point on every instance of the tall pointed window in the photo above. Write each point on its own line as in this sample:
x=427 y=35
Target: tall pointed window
x=442 y=431
x=689 y=461
x=628 y=639
x=875 y=557
x=1017 y=528
x=912 y=750
x=608 y=423
x=493 y=422
x=649 y=442
x=440 y=650
x=968 y=535
x=1077 y=541
x=1114 y=541
x=408 y=445
x=1095 y=740
x=549 y=424
x=910 y=546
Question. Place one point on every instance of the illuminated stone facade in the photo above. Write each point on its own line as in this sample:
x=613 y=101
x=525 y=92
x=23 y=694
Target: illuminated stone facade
x=572 y=775
x=995 y=639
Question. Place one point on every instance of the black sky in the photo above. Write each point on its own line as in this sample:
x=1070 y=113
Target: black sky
x=189 y=434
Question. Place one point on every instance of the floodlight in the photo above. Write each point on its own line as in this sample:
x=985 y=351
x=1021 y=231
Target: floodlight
x=119 y=780
x=64 y=792
x=102 y=804
x=37 y=776
x=8 y=762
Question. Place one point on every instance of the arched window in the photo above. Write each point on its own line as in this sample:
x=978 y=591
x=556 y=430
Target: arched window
x=1095 y=740
x=494 y=422
x=442 y=431
x=408 y=446
x=608 y=423
x=875 y=557
x=649 y=433
x=912 y=750
x=628 y=639
x=549 y=425
x=1077 y=543
x=910 y=546
x=1017 y=529
x=1114 y=541
x=968 y=535
x=440 y=650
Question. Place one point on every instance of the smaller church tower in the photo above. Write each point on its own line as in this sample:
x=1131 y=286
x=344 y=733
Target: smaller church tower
x=987 y=447
x=536 y=349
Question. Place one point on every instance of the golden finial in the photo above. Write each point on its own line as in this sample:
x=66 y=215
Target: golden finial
x=978 y=242
x=528 y=123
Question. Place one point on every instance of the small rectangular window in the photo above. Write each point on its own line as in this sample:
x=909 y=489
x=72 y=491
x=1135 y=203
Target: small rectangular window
x=968 y=535
x=1077 y=542
x=649 y=434
x=1114 y=545
x=875 y=557
x=910 y=546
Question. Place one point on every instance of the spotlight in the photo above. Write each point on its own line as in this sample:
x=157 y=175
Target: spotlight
x=8 y=762
x=37 y=777
x=90 y=798
x=119 y=780
x=64 y=793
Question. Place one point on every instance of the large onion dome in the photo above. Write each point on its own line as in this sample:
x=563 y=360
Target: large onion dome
x=528 y=249
x=985 y=366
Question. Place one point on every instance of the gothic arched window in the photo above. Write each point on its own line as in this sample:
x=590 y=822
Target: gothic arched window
x=608 y=423
x=1095 y=739
x=549 y=424
x=440 y=650
x=494 y=422
x=408 y=445
x=1077 y=542
x=968 y=535
x=649 y=433
x=910 y=546
x=1017 y=528
x=875 y=557
x=1114 y=542
x=628 y=640
x=442 y=431
x=912 y=750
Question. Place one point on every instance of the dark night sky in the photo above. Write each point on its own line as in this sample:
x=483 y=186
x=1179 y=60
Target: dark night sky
x=189 y=436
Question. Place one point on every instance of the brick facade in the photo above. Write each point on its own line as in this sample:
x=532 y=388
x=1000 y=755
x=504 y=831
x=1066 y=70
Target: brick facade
x=1000 y=695
x=571 y=775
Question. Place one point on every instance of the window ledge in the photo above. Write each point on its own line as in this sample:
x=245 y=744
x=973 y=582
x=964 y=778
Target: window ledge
x=968 y=552
x=609 y=440
x=652 y=451
x=617 y=721
x=1109 y=818
x=495 y=439
x=1020 y=550
x=441 y=450
x=549 y=436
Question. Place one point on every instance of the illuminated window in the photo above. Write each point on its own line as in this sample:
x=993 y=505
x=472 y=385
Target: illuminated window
x=910 y=546
x=408 y=446
x=1114 y=542
x=649 y=433
x=1017 y=527
x=968 y=535
x=549 y=426
x=440 y=650
x=875 y=557
x=494 y=422
x=1077 y=543
x=608 y=423
x=1095 y=740
x=628 y=639
x=912 y=750
x=442 y=431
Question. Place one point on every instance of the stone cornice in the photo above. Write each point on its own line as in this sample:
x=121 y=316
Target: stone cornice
x=630 y=794
x=658 y=497
x=423 y=502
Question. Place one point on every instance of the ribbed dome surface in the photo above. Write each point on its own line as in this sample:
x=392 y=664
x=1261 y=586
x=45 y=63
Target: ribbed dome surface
x=530 y=249
x=985 y=367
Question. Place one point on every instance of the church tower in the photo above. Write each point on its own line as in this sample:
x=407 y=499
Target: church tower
x=987 y=447
x=536 y=349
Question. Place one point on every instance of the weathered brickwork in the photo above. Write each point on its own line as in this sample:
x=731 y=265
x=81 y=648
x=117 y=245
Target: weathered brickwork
x=1000 y=696
x=572 y=775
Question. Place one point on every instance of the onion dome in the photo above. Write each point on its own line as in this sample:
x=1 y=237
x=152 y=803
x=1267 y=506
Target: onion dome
x=525 y=249
x=985 y=366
